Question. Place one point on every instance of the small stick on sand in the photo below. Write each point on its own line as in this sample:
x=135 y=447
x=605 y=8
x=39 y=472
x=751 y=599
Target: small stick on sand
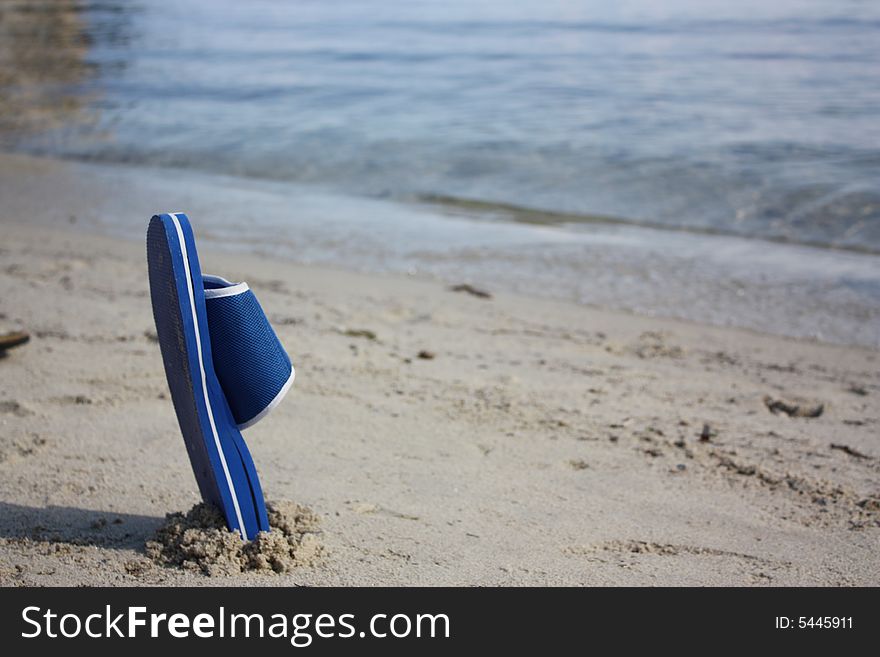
x=470 y=289
x=13 y=339
x=846 y=449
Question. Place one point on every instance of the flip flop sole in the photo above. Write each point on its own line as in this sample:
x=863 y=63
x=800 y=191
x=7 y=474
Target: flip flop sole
x=220 y=459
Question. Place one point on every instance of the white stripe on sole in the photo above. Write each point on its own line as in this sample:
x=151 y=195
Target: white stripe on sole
x=192 y=306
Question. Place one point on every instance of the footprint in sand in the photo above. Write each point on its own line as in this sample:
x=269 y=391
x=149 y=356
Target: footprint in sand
x=12 y=448
x=14 y=407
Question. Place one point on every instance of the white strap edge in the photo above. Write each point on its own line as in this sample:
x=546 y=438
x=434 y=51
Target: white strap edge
x=231 y=291
x=272 y=404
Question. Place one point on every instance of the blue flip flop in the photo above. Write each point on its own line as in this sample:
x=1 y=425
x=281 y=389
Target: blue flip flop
x=225 y=367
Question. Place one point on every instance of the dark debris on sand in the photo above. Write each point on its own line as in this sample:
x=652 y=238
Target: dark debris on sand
x=794 y=409
x=470 y=289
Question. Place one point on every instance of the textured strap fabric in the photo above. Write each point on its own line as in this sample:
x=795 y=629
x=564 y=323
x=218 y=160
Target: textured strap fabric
x=252 y=366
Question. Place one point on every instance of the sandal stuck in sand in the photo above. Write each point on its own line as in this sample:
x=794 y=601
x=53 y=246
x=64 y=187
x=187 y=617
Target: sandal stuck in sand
x=225 y=366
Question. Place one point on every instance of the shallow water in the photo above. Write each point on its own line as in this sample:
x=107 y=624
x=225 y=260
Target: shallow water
x=587 y=133
x=752 y=117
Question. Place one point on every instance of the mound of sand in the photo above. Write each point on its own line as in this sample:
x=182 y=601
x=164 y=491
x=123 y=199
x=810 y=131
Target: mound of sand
x=199 y=540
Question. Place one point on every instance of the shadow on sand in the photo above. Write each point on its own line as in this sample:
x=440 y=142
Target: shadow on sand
x=75 y=526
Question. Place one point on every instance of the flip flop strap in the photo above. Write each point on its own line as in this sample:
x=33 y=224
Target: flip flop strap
x=253 y=369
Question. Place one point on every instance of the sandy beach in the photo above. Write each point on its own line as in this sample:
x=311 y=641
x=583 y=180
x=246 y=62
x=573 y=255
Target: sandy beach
x=441 y=438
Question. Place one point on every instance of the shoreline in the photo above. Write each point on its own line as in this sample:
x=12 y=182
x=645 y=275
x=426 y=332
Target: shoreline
x=543 y=443
x=785 y=289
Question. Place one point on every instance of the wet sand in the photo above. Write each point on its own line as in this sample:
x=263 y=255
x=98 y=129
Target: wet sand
x=785 y=289
x=440 y=437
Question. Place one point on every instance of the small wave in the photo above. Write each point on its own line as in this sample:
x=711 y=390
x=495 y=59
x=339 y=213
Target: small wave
x=476 y=208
